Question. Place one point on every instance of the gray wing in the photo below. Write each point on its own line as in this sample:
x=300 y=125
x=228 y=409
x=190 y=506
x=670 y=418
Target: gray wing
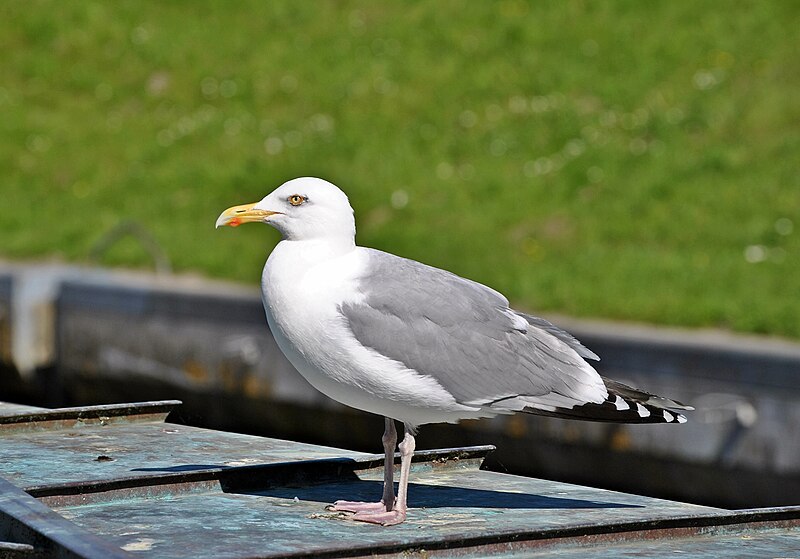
x=562 y=335
x=465 y=336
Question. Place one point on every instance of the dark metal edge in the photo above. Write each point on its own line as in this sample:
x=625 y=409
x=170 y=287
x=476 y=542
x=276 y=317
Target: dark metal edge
x=106 y=411
x=18 y=551
x=439 y=457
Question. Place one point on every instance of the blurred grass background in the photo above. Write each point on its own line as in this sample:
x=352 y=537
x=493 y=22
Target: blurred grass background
x=627 y=160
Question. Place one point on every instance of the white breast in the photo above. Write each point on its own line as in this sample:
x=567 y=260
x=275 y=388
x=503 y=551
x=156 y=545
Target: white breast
x=303 y=285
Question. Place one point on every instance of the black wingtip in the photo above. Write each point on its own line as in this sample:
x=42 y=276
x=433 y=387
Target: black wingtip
x=623 y=405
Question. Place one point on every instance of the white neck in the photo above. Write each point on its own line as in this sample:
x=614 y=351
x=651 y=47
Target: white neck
x=313 y=251
x=310 y=265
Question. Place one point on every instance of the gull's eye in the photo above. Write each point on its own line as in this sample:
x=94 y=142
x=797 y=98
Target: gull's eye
x=296 y=199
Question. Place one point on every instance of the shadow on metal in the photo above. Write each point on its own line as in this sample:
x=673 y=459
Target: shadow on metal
x=431 y=497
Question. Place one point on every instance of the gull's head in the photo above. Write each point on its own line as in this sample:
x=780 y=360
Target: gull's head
x=301 y=209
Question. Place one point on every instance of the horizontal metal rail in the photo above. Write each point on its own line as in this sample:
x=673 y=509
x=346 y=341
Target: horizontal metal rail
x=59 y=418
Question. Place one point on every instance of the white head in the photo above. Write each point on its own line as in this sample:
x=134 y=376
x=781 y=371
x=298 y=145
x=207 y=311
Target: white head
x=301 y=209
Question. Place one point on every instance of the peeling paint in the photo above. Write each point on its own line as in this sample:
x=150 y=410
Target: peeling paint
x=141 y=544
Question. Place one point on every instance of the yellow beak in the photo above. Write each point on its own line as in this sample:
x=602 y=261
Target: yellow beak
x=245 y=213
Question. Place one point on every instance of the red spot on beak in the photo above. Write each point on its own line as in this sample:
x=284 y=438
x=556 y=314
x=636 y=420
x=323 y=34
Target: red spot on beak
x=235 y=222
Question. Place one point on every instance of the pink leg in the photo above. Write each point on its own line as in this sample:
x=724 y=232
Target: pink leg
x=398 y=513
x=387 y=502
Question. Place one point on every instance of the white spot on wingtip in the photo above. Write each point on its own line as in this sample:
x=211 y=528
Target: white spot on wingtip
x=668 y=416
x=621 y=404
x=681 y=419
x=642 y=411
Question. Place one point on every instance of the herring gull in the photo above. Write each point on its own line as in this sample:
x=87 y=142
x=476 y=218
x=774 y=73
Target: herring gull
x=414 y=343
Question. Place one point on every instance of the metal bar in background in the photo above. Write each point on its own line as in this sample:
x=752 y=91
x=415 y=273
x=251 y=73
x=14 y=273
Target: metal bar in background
x=41 y=419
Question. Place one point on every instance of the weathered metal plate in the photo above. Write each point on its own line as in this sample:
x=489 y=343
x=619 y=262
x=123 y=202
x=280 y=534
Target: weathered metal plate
x=135 y=486
x=103 y=451
x=451 y=505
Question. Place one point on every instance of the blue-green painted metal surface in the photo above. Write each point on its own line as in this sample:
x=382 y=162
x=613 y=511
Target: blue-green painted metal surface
x=45 y=532
x=109 y=447
x=152 y=489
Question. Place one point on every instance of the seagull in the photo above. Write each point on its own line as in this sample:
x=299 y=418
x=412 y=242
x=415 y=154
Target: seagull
x=414 y=343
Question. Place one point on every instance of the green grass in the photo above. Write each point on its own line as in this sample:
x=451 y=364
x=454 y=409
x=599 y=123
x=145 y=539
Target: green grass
x=608 y=159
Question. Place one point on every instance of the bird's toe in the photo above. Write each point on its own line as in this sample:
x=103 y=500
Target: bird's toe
x=384 y=518
x=357 y=507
